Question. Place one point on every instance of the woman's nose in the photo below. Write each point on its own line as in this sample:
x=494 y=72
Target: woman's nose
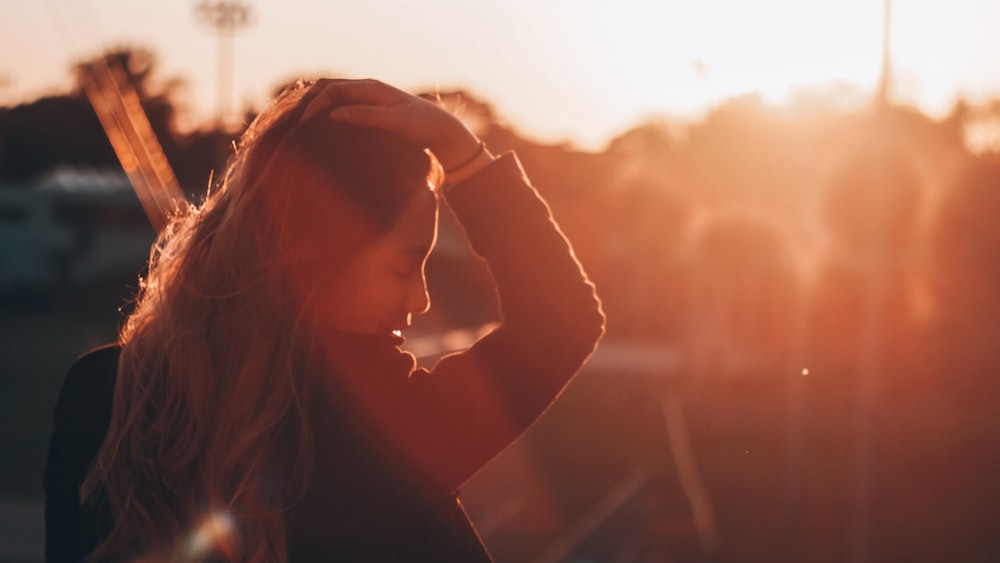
x=418 y=301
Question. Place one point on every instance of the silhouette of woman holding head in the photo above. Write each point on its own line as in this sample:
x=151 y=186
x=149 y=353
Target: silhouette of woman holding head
x=258 y=406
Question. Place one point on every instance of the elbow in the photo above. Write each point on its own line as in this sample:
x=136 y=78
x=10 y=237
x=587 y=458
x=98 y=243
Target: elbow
x=584 y=322
x=591 y=317
x=596 y=319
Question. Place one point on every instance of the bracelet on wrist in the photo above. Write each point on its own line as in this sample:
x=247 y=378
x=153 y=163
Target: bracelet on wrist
x=469 y=167
x=479 y=150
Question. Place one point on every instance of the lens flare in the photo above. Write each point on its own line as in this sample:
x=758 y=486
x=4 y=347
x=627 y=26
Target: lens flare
x=214 y=534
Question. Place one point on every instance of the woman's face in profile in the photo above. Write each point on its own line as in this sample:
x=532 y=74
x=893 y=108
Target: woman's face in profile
x=383 y=286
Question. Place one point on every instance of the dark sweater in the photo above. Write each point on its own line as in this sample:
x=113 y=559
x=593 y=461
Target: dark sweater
x=394 y=442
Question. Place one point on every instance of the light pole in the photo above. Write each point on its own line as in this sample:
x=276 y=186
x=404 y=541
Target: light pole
x=882 y=95
x=225 y=17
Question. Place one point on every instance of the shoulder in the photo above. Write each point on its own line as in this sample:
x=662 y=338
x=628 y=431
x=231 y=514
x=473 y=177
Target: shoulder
x=82 y=413
x=89 y=383
x=96 y=360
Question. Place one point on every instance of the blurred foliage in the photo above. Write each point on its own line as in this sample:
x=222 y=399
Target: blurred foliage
x=63 y=130
x=785 y=254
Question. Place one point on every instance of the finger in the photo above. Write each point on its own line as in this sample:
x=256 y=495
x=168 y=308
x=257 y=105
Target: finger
x=366 y=116
x=367 y=92
x=320 y=97
x=315 y=107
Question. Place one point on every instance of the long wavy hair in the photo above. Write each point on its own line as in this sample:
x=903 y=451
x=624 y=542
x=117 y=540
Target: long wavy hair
x=210 y=429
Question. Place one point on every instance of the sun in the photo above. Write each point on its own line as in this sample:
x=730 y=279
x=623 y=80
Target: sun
x=694 y=54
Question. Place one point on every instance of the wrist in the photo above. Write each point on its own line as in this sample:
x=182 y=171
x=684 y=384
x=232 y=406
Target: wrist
x=468 y=167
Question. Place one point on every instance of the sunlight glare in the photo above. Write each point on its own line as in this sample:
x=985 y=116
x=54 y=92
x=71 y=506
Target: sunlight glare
x=770 y=48
x=214 y=533
x=983 y=135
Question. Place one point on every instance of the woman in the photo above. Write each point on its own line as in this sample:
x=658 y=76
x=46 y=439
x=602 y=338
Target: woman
x=262 y=409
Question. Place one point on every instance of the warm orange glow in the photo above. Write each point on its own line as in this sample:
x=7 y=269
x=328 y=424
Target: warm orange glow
x=722 y=48
x=649 y=57
x=557 y=69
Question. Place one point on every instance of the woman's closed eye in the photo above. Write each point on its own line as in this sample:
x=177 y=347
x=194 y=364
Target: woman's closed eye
x=409 y=267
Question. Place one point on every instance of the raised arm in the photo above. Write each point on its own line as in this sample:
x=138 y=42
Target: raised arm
x=551 y=323
x=447 y=423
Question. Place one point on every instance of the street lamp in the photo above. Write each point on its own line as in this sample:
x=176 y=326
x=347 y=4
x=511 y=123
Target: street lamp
x=225 y=17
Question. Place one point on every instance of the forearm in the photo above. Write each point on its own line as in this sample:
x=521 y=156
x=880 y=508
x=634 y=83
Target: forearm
x=538 y=279
x=447 y=423
x=552 y=320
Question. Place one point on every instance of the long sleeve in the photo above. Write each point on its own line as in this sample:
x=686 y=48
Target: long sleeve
x=450 y=421
x=81 y=416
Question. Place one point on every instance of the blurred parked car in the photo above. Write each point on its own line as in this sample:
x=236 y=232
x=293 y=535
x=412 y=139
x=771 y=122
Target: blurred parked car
x=72 y=229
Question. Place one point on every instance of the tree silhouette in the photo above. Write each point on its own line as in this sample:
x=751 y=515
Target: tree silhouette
x=40 y=135
x=46 y=133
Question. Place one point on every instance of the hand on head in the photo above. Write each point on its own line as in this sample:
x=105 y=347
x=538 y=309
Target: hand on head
x=370 y=103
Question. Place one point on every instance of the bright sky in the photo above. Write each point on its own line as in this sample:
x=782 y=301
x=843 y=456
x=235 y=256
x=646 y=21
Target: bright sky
x=558 y=69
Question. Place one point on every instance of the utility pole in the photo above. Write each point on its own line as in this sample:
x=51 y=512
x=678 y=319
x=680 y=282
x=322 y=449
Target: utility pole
x=225 y=17
x=874 y=327
x=882 y=96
